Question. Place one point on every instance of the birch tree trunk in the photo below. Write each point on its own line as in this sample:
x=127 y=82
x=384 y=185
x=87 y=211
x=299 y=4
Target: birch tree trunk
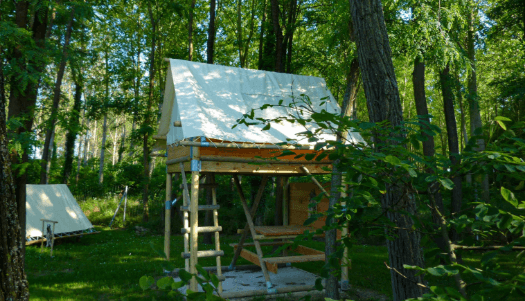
x=102 y=150
x=382 y=96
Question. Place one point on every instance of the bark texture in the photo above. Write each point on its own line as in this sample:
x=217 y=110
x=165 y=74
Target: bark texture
x=13 y=280
x=211 y=34
x=57 y=91
x=278 y=36
x=382 y=95
x=71 y=136
x=452 y=134
x=22 y=100
x=429 y=149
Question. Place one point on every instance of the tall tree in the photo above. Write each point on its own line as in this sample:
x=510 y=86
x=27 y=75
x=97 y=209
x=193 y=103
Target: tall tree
x=278 y=35
x=447 y=83
x=23 y=95
x=210 y=49
x=475 y=115
x=13 y=280
x=56 y=97
x=382 y=96
x=73 y=129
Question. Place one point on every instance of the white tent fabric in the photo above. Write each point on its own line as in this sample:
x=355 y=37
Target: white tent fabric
x=208 y=100
x=53 y=202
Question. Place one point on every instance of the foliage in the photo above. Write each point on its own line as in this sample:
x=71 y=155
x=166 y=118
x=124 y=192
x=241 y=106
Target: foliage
x=371 y=168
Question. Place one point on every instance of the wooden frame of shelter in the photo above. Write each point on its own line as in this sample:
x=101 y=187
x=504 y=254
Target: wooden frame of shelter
x=209 y=156
x=202 y=106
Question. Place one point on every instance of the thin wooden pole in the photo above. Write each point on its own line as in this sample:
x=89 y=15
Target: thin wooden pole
x=167 y=219
x=216 y=224
x=255 y=205
x=194 y=219
x=345 y=262
x=186 y=223
x=257 y=244
x=52 y=240
x=315 y=181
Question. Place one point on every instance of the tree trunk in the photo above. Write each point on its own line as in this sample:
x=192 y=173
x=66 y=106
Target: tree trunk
x=102 y=150
x=122 y=142
x=382 y=95
x=452 y=134
x=211 y=35
x=279 y=199
x=86 y=143
x=429 y=149
x=56 y=96
x=190 y=31
x=261 y=37
x=352 y=86
x=278 y=36
x=145 y=145
x=13 y=280
x=73 y=129
x=475 y=115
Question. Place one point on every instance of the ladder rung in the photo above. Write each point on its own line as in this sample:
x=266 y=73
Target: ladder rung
x=201 y=254
x=202 y=207
x=202 y=229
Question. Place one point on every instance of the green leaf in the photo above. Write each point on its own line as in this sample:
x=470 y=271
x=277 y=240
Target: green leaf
x=214 y=280
x=184 y=275
x=319 y=284
x=146 y=282
x=412 y=173
x=504 y=221
x=501 y=124
x=177 y=285
x=447 y=183
x=501 y=118
x=309 y=157
x=266 y=127
x=164 y=283
x=509 y=196
x=392 y=160
x=437 y=271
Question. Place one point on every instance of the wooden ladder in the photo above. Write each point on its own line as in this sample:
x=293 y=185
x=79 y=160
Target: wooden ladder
x=190 y=209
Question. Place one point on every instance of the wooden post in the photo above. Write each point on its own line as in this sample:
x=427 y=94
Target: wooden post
x=286 y=202
x=186 y=223
x=216 y=224
x=52 y=239
x=345 y=262
x=255 y=205
x=167 y=219
x=42 y=237
x=194 y=218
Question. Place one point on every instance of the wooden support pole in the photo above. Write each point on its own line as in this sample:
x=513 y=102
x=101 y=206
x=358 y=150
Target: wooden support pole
x=269 y=285
x=315 y=181
x=345 y=262
x=186 y=222
x=216 y=224
x=167 y=219
x=194 y=219
x=255 y=205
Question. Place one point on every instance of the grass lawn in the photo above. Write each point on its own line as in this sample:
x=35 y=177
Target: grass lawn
x=107 y=266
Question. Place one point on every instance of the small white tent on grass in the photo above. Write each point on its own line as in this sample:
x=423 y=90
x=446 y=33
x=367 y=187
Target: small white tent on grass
x=56 y=203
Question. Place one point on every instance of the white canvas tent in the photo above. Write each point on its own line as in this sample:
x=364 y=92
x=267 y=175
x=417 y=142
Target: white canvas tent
x=54 y=202
x=208 y=100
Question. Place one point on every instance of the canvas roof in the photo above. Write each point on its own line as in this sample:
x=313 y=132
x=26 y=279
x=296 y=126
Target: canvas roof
x=208 y=100
x=53 y=202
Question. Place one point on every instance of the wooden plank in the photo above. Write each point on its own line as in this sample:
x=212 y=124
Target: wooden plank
x=263 y=237
x=58 y=237
x=175 y=152
x=307 y=251
x=250 y=169
x=282 y=230
x=206 y=229
x=270 y=243
x=253 y=258
x=194 y=219
x=202 y=254
x=216 y=224
x=290 y=259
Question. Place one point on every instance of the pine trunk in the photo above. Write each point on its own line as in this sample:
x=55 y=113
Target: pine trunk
x=278 y=36
x=56 y=98
x=382 y=95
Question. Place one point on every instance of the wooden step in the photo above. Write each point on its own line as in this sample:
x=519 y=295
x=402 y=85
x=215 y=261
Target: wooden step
x=287 y=259
x=202 y=229
x=271 y=243
x=202 y=207
x=202 y=254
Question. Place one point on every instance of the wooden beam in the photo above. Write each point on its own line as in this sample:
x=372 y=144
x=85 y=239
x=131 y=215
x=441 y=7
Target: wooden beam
x=315 y=180
x=167 y=218
x=290 y=259
x=253 y=258
x=177 y=124
x=241 y=145
x=307 y=251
